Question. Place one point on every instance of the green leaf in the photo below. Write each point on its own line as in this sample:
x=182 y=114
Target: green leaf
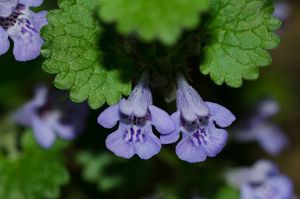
x=34 y=174
x=72 y=51
x=95 y=167
x=239 y=34
x=152 y=19
x=227 y=192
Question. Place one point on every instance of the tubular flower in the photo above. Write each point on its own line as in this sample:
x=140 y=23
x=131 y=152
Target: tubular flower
x=196 y=120
x=136 y=115
x=261 y=181
x=23 y=26
x=48 y=121
x=258 y=128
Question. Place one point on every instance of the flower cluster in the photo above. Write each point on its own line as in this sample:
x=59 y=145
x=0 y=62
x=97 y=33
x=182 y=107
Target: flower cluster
x=195 y=118
x=23 y=26
x=51 y=115
x=261 y=181
x=258 y=128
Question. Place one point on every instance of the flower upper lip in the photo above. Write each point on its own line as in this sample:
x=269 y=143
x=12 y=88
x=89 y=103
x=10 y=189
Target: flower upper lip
x=189 y=101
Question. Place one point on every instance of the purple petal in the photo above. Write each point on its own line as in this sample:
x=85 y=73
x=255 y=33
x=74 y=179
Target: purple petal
x=138 y=101
x=216 y=140
x=238 y=176
x=161 y=120
x=222 y=116
x=267 y=108
x=247 y=192
x=189 y=102
x=116 y=143
x=31 y=3
x=282 y=10
x=174 y=136
x=43 y=134
x=186 y=151
x=26 y=35
x=26 y=46
x=39 y=20
x=169 y=138
x=25 y=114
x=109 y=117
x=40 y=96
x=7 y=7
x=277 y=187
x=3 y=41
x=66 y=132
x=150 y=147
x=282 y=187
x=271 y=138
x=129 y=108
x=261 y=170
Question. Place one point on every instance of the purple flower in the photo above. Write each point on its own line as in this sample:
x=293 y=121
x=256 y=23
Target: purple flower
x=196 y=120
x=136 y=115
x=7 y=7
x=282 y=10
x=23 y=26
x=261 y=181
x=258 y=128
x=48 y=120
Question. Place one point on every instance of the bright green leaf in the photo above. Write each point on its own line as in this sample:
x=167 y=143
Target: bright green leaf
x=239 y=34
x=72 y=52
x=33 y=174
x=152 y=19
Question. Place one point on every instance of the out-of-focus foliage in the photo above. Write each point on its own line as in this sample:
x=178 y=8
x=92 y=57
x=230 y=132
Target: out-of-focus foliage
x=239 y=33
x=227 y=192
x=32 y=173
x=72 y=52
x=164 y=20
x=95 y=170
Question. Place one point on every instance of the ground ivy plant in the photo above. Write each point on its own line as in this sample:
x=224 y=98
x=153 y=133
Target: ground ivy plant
x=228 y=38
x=117 y=55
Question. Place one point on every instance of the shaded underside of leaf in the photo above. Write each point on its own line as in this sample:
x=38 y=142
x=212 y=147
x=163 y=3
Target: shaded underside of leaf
x=164 y=20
